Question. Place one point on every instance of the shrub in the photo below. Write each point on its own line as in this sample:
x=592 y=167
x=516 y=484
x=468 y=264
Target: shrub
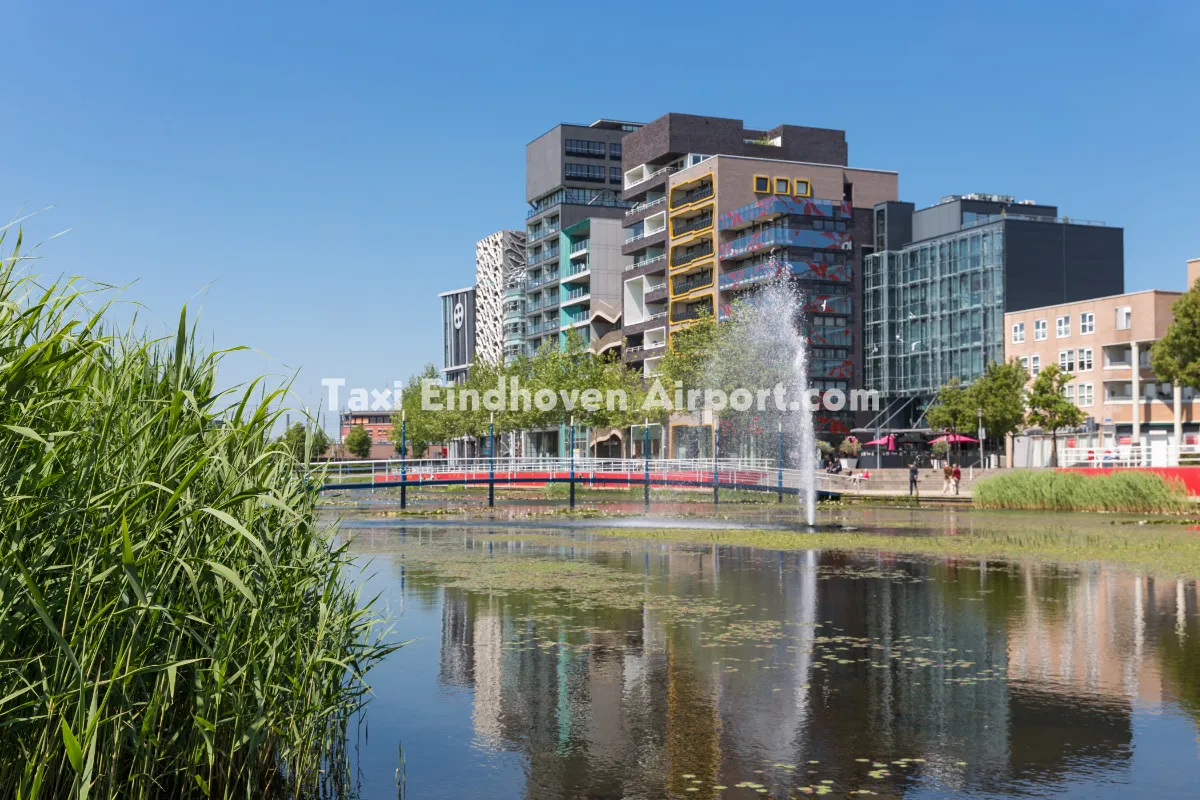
x=850 y=447
x=1120 y=490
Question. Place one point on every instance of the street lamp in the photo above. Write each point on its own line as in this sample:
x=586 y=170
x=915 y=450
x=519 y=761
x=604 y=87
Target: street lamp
x=980 y=434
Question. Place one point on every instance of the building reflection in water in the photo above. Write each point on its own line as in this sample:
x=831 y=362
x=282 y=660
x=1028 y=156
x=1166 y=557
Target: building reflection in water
x=629 y=702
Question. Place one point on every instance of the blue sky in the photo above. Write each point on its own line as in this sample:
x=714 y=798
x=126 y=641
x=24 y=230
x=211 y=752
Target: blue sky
x=311 y=175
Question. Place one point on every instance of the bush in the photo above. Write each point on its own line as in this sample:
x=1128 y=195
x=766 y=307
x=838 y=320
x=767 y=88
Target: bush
x=850 y=447
x=1120 y=490
x=174 y=622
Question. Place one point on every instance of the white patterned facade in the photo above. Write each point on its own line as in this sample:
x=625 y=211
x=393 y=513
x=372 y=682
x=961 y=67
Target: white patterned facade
x=499 y=263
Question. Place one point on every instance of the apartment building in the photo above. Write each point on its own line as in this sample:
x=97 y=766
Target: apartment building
x=941 y=279
x=719 y=209
x=1105 y=343
x=499 y=266
x=572 y=183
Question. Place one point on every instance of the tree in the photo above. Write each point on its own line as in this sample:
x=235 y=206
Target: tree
x=1049 y=409
x=1176 y=356
x=953 y=408
x=358 y=442
x=294 y=439
x=1000 y=392
x=425 y=426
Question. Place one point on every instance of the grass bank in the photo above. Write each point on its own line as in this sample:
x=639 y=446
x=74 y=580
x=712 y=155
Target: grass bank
x=1169 y=550
x=173 y=620
x=1138 y=492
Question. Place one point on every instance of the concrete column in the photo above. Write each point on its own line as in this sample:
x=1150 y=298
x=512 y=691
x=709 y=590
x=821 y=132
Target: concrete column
x=1136 y=405
x=1177 y=401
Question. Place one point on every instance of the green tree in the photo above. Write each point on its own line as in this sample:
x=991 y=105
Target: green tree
x=425 y=426
x=1049 y=409
x=687 y=359
x=953 y=408
x=295 y=437
x=1176 y=356
x=358 y=442
x=1000 y=392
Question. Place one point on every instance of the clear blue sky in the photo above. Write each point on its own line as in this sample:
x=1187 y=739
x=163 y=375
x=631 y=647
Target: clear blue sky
x=320 y=171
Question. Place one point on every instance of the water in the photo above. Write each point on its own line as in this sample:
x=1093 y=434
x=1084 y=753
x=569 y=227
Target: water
x=557 y=663
x=761 y=346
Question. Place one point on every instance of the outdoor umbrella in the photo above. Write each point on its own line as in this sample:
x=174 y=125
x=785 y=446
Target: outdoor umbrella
x=954 y=437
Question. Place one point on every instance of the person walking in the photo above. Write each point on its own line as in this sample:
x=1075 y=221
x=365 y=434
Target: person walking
x=912 y=478
x=957 y=476
x=947 y=477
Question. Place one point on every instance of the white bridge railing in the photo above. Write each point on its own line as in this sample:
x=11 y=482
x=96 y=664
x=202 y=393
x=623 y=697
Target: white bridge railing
x=630 y=471
x=1131 y=455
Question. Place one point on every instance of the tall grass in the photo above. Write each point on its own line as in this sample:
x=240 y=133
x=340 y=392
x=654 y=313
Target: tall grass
x=1121 y=490
x=173 y=621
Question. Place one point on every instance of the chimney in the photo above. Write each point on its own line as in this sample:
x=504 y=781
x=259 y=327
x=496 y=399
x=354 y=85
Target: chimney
x=1193 y=271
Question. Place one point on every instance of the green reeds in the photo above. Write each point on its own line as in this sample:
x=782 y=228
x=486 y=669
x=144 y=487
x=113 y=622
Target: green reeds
x=1121 y=490
x=173 y=620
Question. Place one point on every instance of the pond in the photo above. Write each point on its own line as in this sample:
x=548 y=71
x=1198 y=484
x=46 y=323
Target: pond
x=556 y=661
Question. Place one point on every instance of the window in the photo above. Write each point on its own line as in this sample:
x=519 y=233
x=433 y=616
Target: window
x=1062 y=327
x=1066 y=360
x=801 y=189
x=1035 y=364
x=1124 y=318
x=1086 y=392
x=1068 y=391
x=1039 y=330
x=584 y=172
x=1018 y=335
x=614 y=150
x=1085 y=359
x=762 y=184
x=783 y=186
x=1025 y=363
x=585 y=147
x=614 y=174
x=1087 y=323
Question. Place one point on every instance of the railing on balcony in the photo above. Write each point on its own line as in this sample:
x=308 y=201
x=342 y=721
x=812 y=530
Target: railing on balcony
x=693 y=224
x=549 y=326
x=692 y=282
x=651 y=288
x=539 y=257
x=575 y=294
x=542 y=233
x=645 y=204
x=768 y=270
x=785 y=236
x=652 y=176
x=647 y=262
x=778 y=204
x=541 y=280
x=578 y=197
x=576 y=267
x=692 y=196
x=691 y=254
x=691 y=312
x=547 y=302
x=575 y=319
x=580 y=246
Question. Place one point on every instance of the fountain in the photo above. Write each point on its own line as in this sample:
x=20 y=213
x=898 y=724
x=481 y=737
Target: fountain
x=762 y=346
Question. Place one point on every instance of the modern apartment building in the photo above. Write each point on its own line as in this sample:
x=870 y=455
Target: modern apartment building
x=1105 y=343
x=572 y=183
x=719 y=209
x=458 y=333
x=499 y=265
x=942 y=278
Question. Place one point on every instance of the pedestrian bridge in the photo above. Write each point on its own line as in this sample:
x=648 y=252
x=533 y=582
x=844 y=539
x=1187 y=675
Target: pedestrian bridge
x=760 y=475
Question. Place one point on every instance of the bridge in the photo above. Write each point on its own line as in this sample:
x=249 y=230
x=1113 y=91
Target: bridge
x=757 y=475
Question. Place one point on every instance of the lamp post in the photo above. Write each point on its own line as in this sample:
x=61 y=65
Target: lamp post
x=980 y=434
x=716 y=444
x=646 y=454
x=403 y=465
x=572 y=462
x=492 y=461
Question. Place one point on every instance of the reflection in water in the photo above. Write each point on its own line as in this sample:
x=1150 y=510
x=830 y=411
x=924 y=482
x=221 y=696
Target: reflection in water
x=793 y=671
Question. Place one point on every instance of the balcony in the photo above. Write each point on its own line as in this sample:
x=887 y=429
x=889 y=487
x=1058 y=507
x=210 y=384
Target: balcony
x=539 y=257
x=548 y=326
x=647 y=262
x=580 y=247
x=777 y=205
x=550 y=301
x=542 y=233
x=577 y=197
x=786 y=237
x=577 y=295
x=686 y=226
x=687 y=283
x=640 y=175
x=541 y=280
x=681 y=255
x=692 y=196
x=681 y=312
x=577 y=268
x=645 y=205
x=575 y=319
x=766 y=271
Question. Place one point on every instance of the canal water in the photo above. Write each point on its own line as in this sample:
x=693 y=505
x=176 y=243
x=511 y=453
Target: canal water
x=550 y=662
